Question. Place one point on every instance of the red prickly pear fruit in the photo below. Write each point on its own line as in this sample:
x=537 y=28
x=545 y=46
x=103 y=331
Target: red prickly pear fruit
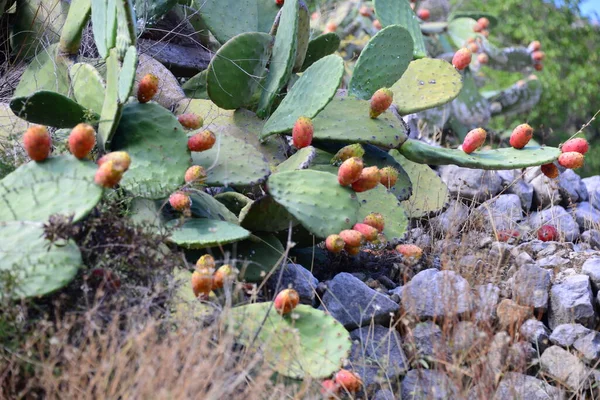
x=147 y=88
x=202 y=141
x=424 y=14
x=550 y=170
x=195 y=174
x=520 y=136
x=367 y=231
x=547 y=233
x=331 y=27
x=375 y=220
x=410 y=253
x=350 y=171
x=302 y=133
x=279 y=2
x=571 y=160
x=534 y=46
x=334 y=243
x=108 y=174
x=369 y=178
x=206 y=261
x=461 y=59
x=474 y=140
x=330 y=389
x=120 y=159
x=483 y=58
x=348 y=380
x=286 y=301
x=483 y=22
x=202 y=281
x=221 y=275
x=352 y=238
x=346 y=152
x=365 y=11
x=82 y=140
x=190 y=121
x=377 y=24
x=380 y=101
x=473 y=48
x=37 y=142
x=180 y=201
x=485 y=33
x=389 y=176
x=538 y=66
x=579 y=145
x=507 y=234
x=477 y=27
x=538 y=55
x=352 y=250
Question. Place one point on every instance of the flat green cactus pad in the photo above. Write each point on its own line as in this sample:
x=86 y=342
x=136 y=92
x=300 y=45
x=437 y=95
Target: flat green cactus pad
x=195 y=87
x=431 y=28
x=234 y=201
x=28 y=267
x=147 y=212
x=320 y=47
x=257 y=256
x=461 y=29
x=382 y=62
x=52 y=109
x=127 y=74
x=346 y=119
x=267 y=10
x=316 y=199
x=206 y=206
x=45 y=72
x=36 y=22
x=520 y=97
x=475 y=15
x=199 y=233
x=237 y=68
x=510 y=59
x=77 y=19
x=506 y=158
x=153 y=10
x=382 y=201
x=300 y=160
x=266 y=215
x=470 y=108
x=394 y=12
x=157 y=145
x=427 y=83
x=59 y=185
x=228 y=18
x=88 y=86
x=309 y=95
x=184 y=304
x=430 y=194
x=104 y=24
x=308 y=342
x=112 y=107
x=303 y=36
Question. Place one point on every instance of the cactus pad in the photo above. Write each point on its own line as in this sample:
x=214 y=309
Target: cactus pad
x=29 y=266
x=470 y=108
x=199 y=233
x=127 y=74
x=88 y=86
x=382 y=201
x=267 y=10
x=206 y=206
x=382 y=62
x=507 y=158
x=266 y=215
x=398 y=12
x=434 y=27
x=77 y=19
x=111 y=108
x=234 y=201
x=235 y=71
x=461 y=29
x=300 y=160
x=427 y=83
x=475 y=15
x=520 y=97
x=303 y=36
x=228 y=18
x=510 y=59
x=45 y=72
x=157 y=145
x=307 y=342
x=59 y=185
x=195 y=87
x=316 y=199
x=257 y=256
x=104 y=25
x=320 y=47
x=309 y=95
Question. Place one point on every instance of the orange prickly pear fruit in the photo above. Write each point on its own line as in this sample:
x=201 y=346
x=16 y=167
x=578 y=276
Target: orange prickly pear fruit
x=367 y=231
x=483 y=58
x=483 y=22
x=369 y=178
x=195 y=174
x=202 y=281
x=350 y=171
x=380 y=101
x=389 y=176
x=538 y=55
x=538 y=66
x=507 y=234
x=279 y=2
x=37 y=142
x=190 y=121
x=334 y=243
x=180 y=201
x=473 y=48
x=82 y=140
x=461 y=59
x=222 y=274
x=206 y=261
x=534 y=46
x=377 y=24
x=346 y=152
x=352 y=238
x=286 y=301
x=352 y=250
x=330 y=389
x=365 y=11
x=571 y=160
x=202 y=141
x=477 y=27
x=348 y=380
x=108 y=174
x=424 y=14
x=547 y=233
x=579 y=145
x=375 y=220
x=147 y=88
x=120 y=159
x=474 y=140
x=411 y=253
x=302 y=133
x=550 y=170
x=521 y=135
x=331 y=27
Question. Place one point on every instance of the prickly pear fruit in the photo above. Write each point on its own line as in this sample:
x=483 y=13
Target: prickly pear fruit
x=483 y=58
x=334 y=243
x=352 y=250
x=538 y=66
x=389 y=176
x=108 y=174
x=147 y=88
x=547 y=233
x=507 y=234
x=286 y=301
x=521 y=135
x=120 y=159
x=550 y=170
x=571 y=160
x=367 y=231
x=534 y=46
x=477 y=27
x=369 y=178
x=206 y=261
x=424 y=14
x=375 y=220
x=302 y=133
x=279 y=2
x=350 y=171
x=224 y=273
x=411 y=254
x=190 y=121
x=461 y=59
x=348 y=380
x=538 y=55
x=377 y=25
x=352 y=238
x=195 y=174
x=202 y=141
x=180 y=201
x=330 y=389
x=346 y=152
x=202 y=281
x=483 y=22
x=82 y=140
x=365 y=11
x=473 y=48
x=37 y=142
x=474 y=140
x=331 y=27
x=485 y=33
x=380 y=101
x=580 y=145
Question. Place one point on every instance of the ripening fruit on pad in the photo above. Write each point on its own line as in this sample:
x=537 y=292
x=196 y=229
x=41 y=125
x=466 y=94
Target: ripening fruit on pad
x=571 y=160
x=550 y=170
x=108 y=174
x=37 y=142
x=180 y=201
x=367 y=231
x=201 y=141
x=424 y=14
x=190 y=121
x=381 y=100
x=147 y=88
x=369 y=179
x=483 y=22
x=348 y=380
x=375 y=220
x=120 y=159
x=206 y=261
x=579 y=145
x=224 y=273
x=350 y=171
x=286 y=301
x=521 y=135
x=411 y=253
x=302 y=133
x=195 y=174
x=334 y=243
x=82 y=140
x=483 y=58
x=474 y=140
x=352 y=238
x=389 y=176
x=202 y=281
x=461 y=59
x=352 y=250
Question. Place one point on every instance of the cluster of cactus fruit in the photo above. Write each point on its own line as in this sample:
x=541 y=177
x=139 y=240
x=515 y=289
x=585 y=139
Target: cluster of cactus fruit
x=352 y=176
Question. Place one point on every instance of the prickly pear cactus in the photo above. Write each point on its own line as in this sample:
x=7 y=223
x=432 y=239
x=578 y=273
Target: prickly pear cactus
x=398 y=12
x=320 y=47
x=257 y=256
x=384 y=202
x=199 y=233
x=88 y=86
x=266 y=215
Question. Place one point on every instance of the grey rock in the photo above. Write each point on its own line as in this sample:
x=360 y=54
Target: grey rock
x=384 y=394
x=523 y=259
x=466 y=338
x=428 y=385
x=531 y=286
x=592 y=185
x=565 y=335
x=571 y=188
x=536 y=333
x=516 y=386
x=432 y=293
x=545 y=191
x=297 y=277
x=591 y=268
x=472 y=184
x=592 y=237
x=425 y=341
x=560 y=218
x=524 y=191
x=572 y=301
x=354 y=304
x=486 y=299
x=587 y=217
x=169 y=91
x=554 y=262
x=452 y=220
x=498 y=353
x=521 y=354
x=589 y=347
x=501 y=212
x=396 y=293
x=564 y=367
